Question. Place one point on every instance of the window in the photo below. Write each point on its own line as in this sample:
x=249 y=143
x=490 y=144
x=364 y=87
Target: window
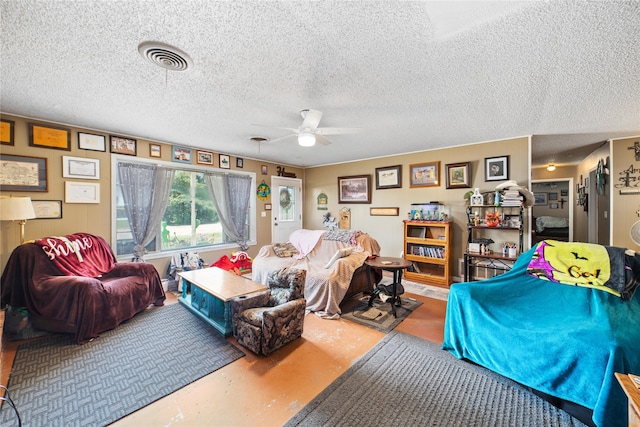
x=190 y=220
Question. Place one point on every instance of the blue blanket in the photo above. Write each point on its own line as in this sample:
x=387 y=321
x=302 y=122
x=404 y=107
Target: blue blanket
x=566 y=341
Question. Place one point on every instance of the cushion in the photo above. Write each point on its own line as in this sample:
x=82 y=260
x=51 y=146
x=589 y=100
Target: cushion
x=285 y=250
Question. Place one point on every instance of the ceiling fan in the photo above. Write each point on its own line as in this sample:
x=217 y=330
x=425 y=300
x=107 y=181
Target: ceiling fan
x=309 y=133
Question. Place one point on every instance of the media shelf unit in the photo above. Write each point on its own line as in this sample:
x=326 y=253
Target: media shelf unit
x=427 y=244
x=486 y=265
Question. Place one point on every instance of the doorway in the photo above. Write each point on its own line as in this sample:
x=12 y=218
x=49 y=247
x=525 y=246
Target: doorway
x=552 y=215
x=286 y=215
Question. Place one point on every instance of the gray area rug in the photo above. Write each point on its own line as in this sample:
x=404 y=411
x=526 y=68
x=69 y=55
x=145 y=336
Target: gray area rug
x=380 y=316
x=408 y=381
x=55 y=382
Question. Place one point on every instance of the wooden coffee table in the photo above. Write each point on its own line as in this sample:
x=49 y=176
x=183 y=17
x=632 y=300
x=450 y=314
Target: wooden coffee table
x=207 y=293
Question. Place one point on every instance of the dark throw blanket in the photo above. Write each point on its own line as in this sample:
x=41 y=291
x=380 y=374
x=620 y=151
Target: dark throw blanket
x=85 y=306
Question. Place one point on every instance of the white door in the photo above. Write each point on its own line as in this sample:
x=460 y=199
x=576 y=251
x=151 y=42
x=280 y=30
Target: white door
x=286 y=213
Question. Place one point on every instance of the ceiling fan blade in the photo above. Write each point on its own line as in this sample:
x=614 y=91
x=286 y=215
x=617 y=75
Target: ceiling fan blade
x=311 y=119
x=337 y=131
x=282 y=137
x=322 y=140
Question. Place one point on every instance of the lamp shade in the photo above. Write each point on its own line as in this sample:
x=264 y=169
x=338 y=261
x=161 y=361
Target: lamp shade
x=16 y=208
x=306 y=138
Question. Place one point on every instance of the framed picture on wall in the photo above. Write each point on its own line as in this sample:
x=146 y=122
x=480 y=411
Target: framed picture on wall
x=354 y=189
x=155 y=150
x=424 y=174
x=122 y=145
x=181 y=154
x=7 y=132
x=541 y=198
x=49 y=137
x=80 y=167
x=458 y=175
x=204 y=157
x=389 y=177
x=89 y=141
x=496 y=168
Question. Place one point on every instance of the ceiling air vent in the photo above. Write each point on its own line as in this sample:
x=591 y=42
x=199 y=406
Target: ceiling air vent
x=165 y=56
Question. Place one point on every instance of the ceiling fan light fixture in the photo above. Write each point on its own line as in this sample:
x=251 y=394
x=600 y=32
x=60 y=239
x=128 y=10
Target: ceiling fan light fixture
x=306 y=138
x=551 y=167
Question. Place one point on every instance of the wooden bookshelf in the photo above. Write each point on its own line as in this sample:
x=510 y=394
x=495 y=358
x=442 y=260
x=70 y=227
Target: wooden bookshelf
x=427 y=244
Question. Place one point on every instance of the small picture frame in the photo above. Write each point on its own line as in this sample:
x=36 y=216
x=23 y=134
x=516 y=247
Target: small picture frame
x=384 y=211
x=239 y=162
x=47 y=209
x=22 y=173
x=564 y=193
x=512 y=221
x=80 y=167
x=496 y=168
x=552 y=196
x=267 y=206
x=540 y=198
x=155 y=150
x=553 y=205
x=225 y=163
x=49 y=137
x=181 y=154
x=81 y=192
x=92 y=142
x=7 y=132
x=204 y=157
x=389 y=177
x=354 y=189
x=458 y=175
x=424 y=174
x=122 y=145
x=264 y=170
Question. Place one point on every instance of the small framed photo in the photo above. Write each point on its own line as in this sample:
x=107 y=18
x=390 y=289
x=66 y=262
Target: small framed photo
x=181 y=154
x=264 y=169
x=22 y=173
x=553 y=196
x=47 y=209
x=496 y=168
x=81 y=192
x=424 y=174
x=89 y=141
x=225 y=163
x=80 y=167
x=354 y=189
x=512 y=221
x=458 y=175
x=384 y=211
x=564 y=193
x=239 y=162
x=553 y=205
x=7 y=132
x=122 y=145
x=204 y=157
x=541 y=198
x=389 y=177
x=49 y=137
x=267 y=206
x=155 y=150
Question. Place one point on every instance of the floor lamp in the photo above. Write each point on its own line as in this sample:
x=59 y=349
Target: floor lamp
x=17 y=208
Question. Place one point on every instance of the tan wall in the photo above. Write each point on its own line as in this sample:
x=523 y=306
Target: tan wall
x=96 y=218
x=388 y=230
x=625 y=207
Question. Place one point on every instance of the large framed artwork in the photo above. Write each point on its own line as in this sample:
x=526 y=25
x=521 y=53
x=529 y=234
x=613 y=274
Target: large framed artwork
x=22 y=173
x=424 y=174
x=354 y=189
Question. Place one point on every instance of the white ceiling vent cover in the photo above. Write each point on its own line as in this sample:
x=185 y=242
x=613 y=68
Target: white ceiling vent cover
x=165 y=56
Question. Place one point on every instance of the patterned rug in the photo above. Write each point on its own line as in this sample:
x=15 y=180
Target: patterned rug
x=380 y=316
x=408 y=381
x=55 y=382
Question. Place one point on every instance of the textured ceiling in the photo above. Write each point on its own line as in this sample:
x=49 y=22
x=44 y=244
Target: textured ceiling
x=412 y=75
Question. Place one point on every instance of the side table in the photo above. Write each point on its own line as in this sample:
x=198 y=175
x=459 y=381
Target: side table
x=394 y=265
x=633 y=394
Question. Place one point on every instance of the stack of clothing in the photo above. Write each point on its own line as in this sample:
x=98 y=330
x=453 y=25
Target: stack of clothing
x=511 y=197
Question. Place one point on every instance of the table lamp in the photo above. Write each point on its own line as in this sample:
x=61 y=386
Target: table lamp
x=17 y=208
